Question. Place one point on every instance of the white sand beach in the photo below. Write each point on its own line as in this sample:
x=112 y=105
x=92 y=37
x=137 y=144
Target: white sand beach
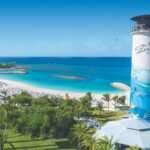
x=14 y=87
x=28 y=87
x=120 y=86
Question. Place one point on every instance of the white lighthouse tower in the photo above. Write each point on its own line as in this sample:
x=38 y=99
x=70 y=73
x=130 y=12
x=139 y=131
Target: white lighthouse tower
x=135 y=131
x=140 y=78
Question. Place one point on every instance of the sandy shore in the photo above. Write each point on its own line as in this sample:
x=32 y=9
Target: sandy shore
x=120 y=86
x=29 y=87
x=14 y=72
x=70 y=77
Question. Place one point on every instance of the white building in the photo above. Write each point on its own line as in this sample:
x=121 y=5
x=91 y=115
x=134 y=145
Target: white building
x=136 y=130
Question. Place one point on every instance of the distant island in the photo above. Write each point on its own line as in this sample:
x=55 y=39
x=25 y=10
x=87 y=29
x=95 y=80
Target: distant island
x=70 y=77
x=11 y=68
x=6 y=66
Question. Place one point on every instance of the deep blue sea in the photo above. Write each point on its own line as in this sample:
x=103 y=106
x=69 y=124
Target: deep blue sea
x=98 y=72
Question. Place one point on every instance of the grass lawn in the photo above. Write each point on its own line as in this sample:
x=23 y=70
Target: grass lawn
x=22 y=142
x=105 y=116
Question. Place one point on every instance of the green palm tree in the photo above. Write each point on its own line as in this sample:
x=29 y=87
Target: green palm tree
x=86 y=104
x=106 y=143
x=82 y=134
x=89 y=143
x=122 y=99
x=77 y=109
x=4 y=140
x=3 y=129
x=3 y=116
x=88 y=98
x=107 y=98
x=100 y=107
x=115 y=99
x=78 y=131
x=5 y=97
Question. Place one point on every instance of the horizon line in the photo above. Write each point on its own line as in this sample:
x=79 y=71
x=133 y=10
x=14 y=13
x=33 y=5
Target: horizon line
x=65 y=56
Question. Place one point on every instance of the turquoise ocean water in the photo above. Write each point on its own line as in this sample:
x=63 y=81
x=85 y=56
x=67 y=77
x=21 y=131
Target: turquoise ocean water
x=97 y=72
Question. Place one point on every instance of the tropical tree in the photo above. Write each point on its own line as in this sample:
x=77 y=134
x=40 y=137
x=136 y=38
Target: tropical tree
x=21 y=123
x=42 y=101
x=45 y=100
x=22 y=100
x=89 y=96
x=5 y=97
x=100 y=106
x=89 y=143
x=88 y=100
x=107 y=98
x=64 y=121
x=3 y=129
x=105 y=143
x=122 y=99
x=115 y=99
x=82 y=134
x=40 y=121
x=4 y=140
x=86 y=140
x=86 y=104
x=77 y=109
x=13 y=112
x=54 y=101
x=3 y=117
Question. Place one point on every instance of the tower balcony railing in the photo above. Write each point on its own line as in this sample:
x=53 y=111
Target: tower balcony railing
x=141 y=28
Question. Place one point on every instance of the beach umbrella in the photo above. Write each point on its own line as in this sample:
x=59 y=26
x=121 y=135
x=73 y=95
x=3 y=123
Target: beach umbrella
x=130 y=132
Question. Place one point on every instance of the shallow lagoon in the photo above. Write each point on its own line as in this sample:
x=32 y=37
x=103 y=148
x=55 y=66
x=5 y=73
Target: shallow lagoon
x=99 y=72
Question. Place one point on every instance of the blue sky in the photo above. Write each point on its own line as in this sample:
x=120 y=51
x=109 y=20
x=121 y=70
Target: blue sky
x=68 y=27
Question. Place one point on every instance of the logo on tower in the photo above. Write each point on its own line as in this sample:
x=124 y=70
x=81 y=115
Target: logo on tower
x=143 y=48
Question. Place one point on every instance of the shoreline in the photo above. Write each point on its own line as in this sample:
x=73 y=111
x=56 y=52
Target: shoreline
x=29 y=87
x=120 y=86
x=14 y=72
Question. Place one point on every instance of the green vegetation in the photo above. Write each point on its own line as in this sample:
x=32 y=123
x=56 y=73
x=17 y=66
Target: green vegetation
x=85 y=139
x=100 y=107
x=132 y=148
x=115 y=99
x=25 y=142
x=107 y=98
x=106 y=115
x=84 y=136
x=5 y=66
x=122 y=99
x=50 y=123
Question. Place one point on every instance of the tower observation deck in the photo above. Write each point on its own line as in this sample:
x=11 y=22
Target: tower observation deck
x=142 y=23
